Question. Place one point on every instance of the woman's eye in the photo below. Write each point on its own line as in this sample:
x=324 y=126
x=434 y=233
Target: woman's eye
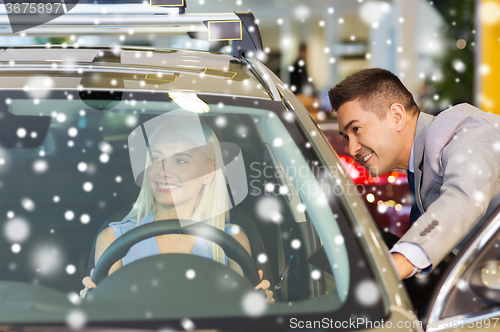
x=355 y=129
x=157 y=160
x=181 y=161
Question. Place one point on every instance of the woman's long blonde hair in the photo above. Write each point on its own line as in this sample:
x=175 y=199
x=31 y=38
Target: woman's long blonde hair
x=212 y=205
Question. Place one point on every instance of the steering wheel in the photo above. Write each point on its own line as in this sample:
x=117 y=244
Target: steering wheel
x=232 y=248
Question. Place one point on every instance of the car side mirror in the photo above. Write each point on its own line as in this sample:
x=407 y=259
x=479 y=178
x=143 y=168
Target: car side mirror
x=485 y=281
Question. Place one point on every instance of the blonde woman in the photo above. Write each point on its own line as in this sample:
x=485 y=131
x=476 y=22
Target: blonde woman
x=183 y=179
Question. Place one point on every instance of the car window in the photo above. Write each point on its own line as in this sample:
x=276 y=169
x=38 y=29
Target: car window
x=71 y=163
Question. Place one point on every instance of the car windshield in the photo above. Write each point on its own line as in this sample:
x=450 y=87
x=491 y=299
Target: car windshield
x=73 y=161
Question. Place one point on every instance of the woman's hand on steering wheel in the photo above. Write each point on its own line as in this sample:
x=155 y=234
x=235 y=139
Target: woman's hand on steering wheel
x=264 y=285
x=88 y=283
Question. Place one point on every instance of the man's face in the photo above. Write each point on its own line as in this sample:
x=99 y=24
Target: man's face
x=372 y=141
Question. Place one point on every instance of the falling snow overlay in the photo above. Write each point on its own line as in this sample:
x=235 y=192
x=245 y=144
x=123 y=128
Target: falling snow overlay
x=79 y=150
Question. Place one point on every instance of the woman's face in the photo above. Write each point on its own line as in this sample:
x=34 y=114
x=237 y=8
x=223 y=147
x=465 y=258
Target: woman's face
x=177 y=174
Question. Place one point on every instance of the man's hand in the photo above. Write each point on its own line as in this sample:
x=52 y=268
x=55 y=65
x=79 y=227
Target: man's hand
x=404 y=267
x=265 y=284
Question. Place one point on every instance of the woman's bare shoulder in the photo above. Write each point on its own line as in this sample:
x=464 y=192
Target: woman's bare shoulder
x=107 y=234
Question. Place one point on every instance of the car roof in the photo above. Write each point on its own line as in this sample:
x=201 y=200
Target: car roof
x=134 y=68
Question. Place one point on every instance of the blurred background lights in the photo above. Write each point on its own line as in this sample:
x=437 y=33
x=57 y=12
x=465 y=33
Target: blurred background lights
x=69 y=215
x=74 y=298
x=187 y=324
x=72 y=132
x=459 y=65
x=189 y=102
x=88 y=186
x=76 y=319
x=315 y=275
x=28 y=204
x=82 y=167
x=262 y=258
x=47 y=259
x=276 y=217
x=267 y=207
x=488 y=12
x=295 y=244
x=131 y=121
x=40 y=166
x=16 y=248
x=382 y=208
x=269 y=187
x=301 y=207
x=373 y=11
x=84 y=218
x=190 y=274
x=61 y=117
x=105 y=147
x=235 y=229
x=104 y=158
x=367 y=293
x=242 y=131
x=70 y=269
x=289 y=116
x=484 y=69
x=283 y=190
x=21 y=132
x=221 y=121
x=302 y=12
x=39 y=86
x=461 y=43
x=16 y=230
x=254 y=304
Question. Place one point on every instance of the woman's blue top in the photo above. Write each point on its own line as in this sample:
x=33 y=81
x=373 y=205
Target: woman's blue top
x=149 y=247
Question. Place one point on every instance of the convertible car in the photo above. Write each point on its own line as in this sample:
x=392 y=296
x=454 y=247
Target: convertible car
x=75 y=135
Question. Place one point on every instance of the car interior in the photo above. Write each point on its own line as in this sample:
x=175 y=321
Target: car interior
x=114 y=191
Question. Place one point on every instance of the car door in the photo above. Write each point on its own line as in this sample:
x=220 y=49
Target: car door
x=468 y=297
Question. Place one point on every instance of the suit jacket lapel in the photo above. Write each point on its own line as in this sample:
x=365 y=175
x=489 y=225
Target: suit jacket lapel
x=423 y=123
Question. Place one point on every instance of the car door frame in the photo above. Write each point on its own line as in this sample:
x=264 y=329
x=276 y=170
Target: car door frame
x=467 y=256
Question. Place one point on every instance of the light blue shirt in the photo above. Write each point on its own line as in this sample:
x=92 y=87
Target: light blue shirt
x=413 y=252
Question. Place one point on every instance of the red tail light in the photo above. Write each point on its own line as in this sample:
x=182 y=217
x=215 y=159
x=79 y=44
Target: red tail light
x=360 y=175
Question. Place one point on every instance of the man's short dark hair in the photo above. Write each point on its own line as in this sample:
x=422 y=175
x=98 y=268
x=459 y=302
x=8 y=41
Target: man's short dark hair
x=377 y=89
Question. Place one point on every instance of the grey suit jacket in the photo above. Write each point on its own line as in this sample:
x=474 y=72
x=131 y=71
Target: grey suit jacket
x=457 y=177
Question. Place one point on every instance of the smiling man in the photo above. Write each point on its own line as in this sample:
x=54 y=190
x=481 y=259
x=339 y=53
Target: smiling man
x=452 y=161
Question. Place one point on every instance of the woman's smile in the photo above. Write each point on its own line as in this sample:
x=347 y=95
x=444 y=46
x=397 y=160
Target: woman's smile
x=166 y=187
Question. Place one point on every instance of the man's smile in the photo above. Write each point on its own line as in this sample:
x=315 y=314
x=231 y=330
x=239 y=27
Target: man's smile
x=367 y=157
x=364 y=156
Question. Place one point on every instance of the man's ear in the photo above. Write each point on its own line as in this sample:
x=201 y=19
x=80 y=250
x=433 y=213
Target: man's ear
x=210 y=176
x=398 y=115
